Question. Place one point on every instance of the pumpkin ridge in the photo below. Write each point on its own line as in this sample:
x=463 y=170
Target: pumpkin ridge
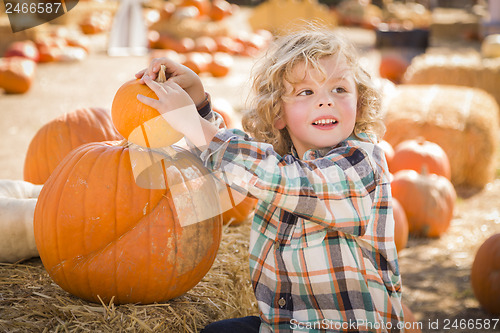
x=188 y=184
x=54 y=141
x=59 y=169
x=175 y=247
x=83 y=210
x=46 y=161
x=86 y=198
x=75 y=135
x=82 y=153
x=115 y=230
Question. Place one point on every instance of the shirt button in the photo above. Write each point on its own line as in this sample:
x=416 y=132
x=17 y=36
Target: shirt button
x=281 y=302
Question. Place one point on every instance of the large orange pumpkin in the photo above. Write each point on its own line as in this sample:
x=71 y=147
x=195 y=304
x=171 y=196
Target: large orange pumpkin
x=139 y=123
x=427 y=199
x=100 y=235
x=57 y=138
x=414 y=154
x=401 y=228
x=485 y=274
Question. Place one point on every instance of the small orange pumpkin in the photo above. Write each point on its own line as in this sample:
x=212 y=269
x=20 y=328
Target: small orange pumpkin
x=26 y=49
x=137 y=122
x=101 y=236
x=205 y=44
x=427 y=199
x=197 y=61
x=414 y=154
x=220 y=9
x=220 y=65
x=388 y=151
x=165 y=41
x=485 y=277
x=401 y=228
x=393 y=67
x=50 y=48
x=16 y=74
x=202 y=5
x=167 y=10
x=228 y=45
x=241 y=211
x=57 y=138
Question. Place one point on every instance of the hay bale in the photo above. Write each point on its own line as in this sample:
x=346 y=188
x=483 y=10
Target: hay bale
x=453 y=69
x=31 y=302
x=462 y=120
x=279 y=16
x=454 y=24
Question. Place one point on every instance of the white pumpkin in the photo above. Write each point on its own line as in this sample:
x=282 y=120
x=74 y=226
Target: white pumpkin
x=17 y=206
x=490 y=47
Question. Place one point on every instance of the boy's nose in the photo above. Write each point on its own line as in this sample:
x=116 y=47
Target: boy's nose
x=325 y=100
x=325 y=104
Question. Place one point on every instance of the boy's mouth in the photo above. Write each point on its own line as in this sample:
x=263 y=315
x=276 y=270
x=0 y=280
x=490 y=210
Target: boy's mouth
x=325 y=123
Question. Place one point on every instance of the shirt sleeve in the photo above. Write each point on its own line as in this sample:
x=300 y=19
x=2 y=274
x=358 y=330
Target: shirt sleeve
x=205 y=107
x=336 y=191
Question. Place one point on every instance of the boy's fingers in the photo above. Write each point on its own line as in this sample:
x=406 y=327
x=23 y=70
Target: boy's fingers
x=173 y=85
x=148 y=101
x=167 y=87
x=152 y=84
x=140 y=74
x=171 y=67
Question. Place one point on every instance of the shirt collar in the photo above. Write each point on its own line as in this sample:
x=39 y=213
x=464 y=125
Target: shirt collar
x=312 y=154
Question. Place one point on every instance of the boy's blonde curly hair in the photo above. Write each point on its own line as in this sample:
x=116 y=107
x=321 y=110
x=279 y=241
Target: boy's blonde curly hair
x=276 y=66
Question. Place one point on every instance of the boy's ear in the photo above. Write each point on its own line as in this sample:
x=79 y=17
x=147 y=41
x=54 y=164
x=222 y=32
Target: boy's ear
x=279 y=123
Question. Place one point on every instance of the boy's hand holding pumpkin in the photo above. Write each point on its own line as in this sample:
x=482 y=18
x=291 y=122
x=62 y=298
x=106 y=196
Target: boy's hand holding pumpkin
x=180 y=74
x=178 y=109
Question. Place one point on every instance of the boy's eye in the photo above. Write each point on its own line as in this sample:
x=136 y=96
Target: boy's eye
x=306 y=92
x=339 y=90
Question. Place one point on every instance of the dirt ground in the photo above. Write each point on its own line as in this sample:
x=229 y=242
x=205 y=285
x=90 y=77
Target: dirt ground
x=436 y=272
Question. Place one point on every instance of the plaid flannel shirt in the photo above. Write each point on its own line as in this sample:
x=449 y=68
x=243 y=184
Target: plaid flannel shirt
x=322 y=253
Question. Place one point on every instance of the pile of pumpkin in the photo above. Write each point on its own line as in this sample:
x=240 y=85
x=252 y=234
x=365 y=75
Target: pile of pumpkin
x=367 y=15
x=18 y=63
x=423 y=203
x=423 y=196
x=196 y=33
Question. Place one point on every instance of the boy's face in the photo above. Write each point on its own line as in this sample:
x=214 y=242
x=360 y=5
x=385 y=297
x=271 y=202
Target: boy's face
x=320 y=109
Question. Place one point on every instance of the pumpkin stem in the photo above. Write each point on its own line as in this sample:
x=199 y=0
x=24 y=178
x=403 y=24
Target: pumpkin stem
x=162 y=76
